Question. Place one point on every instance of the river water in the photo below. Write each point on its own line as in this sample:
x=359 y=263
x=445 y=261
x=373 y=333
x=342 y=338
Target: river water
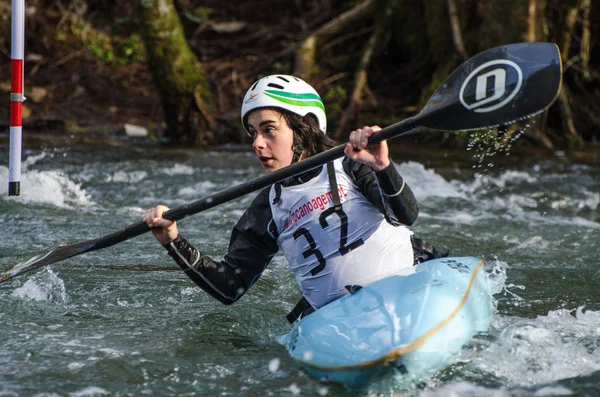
x=124 y=321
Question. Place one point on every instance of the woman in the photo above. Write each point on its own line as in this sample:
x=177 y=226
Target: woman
x=340 y=225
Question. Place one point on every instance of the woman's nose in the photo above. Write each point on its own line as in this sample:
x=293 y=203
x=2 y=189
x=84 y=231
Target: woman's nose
x=259 y=142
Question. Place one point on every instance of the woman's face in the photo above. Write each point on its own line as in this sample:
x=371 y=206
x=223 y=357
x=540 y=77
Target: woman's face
x=273 y=139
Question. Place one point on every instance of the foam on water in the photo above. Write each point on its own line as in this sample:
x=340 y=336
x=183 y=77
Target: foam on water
x=44 y=286
x=562 y=344
x=496 y=271
x=427 y=183
x=46 y=187
x=519 y=356
x=527 y=355
x=197 y=191
x=482 y=201
x=484 y=182
x=90 y=391
x=529 y=352
x=127 y=176
x=178 y=169
x=465 y=389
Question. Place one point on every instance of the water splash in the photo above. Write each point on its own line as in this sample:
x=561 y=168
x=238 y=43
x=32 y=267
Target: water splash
x=45 y=187
x=466 y=389
x=197 y=190
x=178 y=169
x=127 y=176
x=496 y=271
x=44 y=286
x=90 y=391
x=31 y=160
x=426 y=182
x=488 y=143
x=545 y=349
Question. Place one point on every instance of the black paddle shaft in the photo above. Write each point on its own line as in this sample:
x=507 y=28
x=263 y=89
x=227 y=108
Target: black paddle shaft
x=233 y=193
x=495 y=87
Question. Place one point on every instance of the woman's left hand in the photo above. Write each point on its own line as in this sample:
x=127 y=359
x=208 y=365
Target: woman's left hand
x=377 y=157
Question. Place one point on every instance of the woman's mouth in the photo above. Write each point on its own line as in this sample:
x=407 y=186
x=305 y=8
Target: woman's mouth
x=265 y=161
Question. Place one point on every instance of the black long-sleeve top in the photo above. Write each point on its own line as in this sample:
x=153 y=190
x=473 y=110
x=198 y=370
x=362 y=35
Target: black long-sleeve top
x=252 y=245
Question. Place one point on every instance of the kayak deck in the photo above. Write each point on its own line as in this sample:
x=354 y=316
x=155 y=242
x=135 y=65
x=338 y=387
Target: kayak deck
x=415 y=322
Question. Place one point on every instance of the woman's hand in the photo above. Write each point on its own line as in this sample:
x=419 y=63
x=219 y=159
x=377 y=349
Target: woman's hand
x=163 y=229
x=377 y=157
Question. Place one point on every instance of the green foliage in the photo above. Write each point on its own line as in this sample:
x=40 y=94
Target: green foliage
x=131 y=48
x=121 y=23
x=334 y=99
x=418 y=58
x=60 y=36
x=116 y=50
x=340 y=62
x=115 y=47
x=281 y=67
x=198 y=15
x=101 y=49
x=202 y=13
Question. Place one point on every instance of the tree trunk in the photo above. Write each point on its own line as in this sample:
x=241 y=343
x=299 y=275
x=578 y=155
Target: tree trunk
x=564 y=97
x=456 y=30
x=567 y=115
x=184 y=90
x=586 y=8
x=305 y=55
x=440 y=46
x=534 y=33
x=376 y=42
x=567 y=33
x=532 y=21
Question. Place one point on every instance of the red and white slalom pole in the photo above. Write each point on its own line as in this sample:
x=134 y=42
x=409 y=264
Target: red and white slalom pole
x=16 y=97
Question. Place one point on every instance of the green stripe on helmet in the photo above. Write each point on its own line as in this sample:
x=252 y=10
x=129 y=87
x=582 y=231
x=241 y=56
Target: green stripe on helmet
x=308 y=99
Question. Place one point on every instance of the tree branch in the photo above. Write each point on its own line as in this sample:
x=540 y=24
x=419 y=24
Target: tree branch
x=584 y=49
x=360 y=78
x=305 y=54
x=456 y=31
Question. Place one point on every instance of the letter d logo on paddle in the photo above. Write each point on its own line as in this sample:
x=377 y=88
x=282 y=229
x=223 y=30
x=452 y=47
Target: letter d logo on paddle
x=491 y=86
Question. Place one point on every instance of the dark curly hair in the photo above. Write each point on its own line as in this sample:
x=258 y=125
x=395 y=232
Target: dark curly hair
x=308 y=137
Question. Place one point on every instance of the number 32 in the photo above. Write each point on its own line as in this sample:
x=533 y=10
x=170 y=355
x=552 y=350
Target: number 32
x=313 y=250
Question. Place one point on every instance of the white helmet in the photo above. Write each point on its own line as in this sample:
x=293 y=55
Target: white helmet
x=284 y=92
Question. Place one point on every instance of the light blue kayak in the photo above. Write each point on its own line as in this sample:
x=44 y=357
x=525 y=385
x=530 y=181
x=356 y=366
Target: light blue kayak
x=413 y=323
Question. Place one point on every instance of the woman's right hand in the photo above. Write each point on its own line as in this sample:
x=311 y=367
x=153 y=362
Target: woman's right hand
x=163 y=229
x=377 y=157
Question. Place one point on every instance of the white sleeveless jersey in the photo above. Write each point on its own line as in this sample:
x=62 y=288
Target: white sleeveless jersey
x=328 y=250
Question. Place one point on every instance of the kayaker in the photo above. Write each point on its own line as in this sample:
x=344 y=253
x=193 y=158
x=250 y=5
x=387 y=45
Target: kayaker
x=340 y=225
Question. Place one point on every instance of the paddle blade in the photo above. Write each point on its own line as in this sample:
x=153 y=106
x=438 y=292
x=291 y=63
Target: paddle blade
x=69 y=250
x=496 y=87
x=59 y=253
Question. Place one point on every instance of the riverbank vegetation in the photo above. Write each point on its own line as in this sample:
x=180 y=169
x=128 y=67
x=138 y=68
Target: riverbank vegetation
x=181 y=67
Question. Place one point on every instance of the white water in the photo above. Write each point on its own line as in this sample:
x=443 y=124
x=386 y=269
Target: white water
x=529 y=223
